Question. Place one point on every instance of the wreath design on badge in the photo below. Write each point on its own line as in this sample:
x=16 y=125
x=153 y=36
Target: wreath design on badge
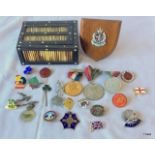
x=99 y=38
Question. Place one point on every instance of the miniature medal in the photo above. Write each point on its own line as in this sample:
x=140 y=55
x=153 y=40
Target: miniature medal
x=97 y=110
x=127 y=76
x=92 y=73
x=58 y=99
x=69 y=120
x=50 y=116
x=93 y=91
x=73 y=88
x=119 y=100
x=75 y=74
x=113 y=85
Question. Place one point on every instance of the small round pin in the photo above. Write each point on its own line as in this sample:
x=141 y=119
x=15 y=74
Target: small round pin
x=119 y=100
x=50 y=116
x=45 y=72
x=97 y=110
x=127 y=76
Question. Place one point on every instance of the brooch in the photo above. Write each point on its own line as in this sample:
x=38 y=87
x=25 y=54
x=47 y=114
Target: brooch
x=50 y=116
x=29 y=114
x=34 y=82
x=20 y=82
x=119 y=100
x=28 y=70
x=113 y=85
x=84 y=103
x=45 y=72
x=68 y=103
x=11 y=105
x=97 y=110
x=127 y=76
x=131 y=118
x=93 y=91
x=73 y=88
x=140 y=91
x=69 y=120
x=99 y=38
x=96 y=125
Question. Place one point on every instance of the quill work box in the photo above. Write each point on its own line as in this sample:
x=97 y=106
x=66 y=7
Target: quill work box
x=48 y=42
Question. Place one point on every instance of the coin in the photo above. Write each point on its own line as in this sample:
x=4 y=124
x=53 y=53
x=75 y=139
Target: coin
x=50 y=116
x=93 y=91
x=97 y=110
x=113 y=85
x=27 y=115
x=73 y=88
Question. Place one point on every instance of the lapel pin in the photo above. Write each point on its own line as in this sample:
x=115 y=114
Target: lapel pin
x=96 y=125
x=140 y=91
x=69 y=120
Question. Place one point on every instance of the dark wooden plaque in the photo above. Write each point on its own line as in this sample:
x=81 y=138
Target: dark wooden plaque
x=99 y=37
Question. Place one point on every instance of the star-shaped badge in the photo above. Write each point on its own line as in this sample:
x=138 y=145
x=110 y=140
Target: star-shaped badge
x=69 y=120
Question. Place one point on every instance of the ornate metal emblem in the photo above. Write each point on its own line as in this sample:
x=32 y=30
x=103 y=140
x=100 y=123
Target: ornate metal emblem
x=99 y=38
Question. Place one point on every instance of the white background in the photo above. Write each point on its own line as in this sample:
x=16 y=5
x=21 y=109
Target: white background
x=68 y=8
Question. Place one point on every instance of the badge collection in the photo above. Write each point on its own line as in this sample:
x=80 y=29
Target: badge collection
x=91 y=92
x=56 y=42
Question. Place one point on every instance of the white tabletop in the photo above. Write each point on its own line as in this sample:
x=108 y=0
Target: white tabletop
x=135 y=51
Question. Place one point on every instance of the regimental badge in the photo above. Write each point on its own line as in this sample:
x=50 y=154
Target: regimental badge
x=99 y=38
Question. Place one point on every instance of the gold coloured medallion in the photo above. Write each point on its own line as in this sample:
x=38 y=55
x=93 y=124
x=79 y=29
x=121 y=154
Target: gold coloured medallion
x=73 y=88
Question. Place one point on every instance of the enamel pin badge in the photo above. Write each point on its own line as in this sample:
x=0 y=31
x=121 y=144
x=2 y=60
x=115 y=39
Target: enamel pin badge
x=99 y=38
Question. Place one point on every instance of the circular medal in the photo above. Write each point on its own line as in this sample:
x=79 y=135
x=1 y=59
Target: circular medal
x=27 y=115
x=119 y=100
x=45 y=72
x=97 y=110
x=73 y=88
x=113 y=85
x=93 y=91
x=50 y=116
x=127 y=76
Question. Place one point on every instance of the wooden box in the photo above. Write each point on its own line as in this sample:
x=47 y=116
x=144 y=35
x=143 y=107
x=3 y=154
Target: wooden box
x=48 y=42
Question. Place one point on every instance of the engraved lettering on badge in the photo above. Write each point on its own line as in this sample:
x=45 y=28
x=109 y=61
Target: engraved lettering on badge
x=99 y=38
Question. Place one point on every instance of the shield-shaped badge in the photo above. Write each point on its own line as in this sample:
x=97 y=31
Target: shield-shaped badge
x=99 y=37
